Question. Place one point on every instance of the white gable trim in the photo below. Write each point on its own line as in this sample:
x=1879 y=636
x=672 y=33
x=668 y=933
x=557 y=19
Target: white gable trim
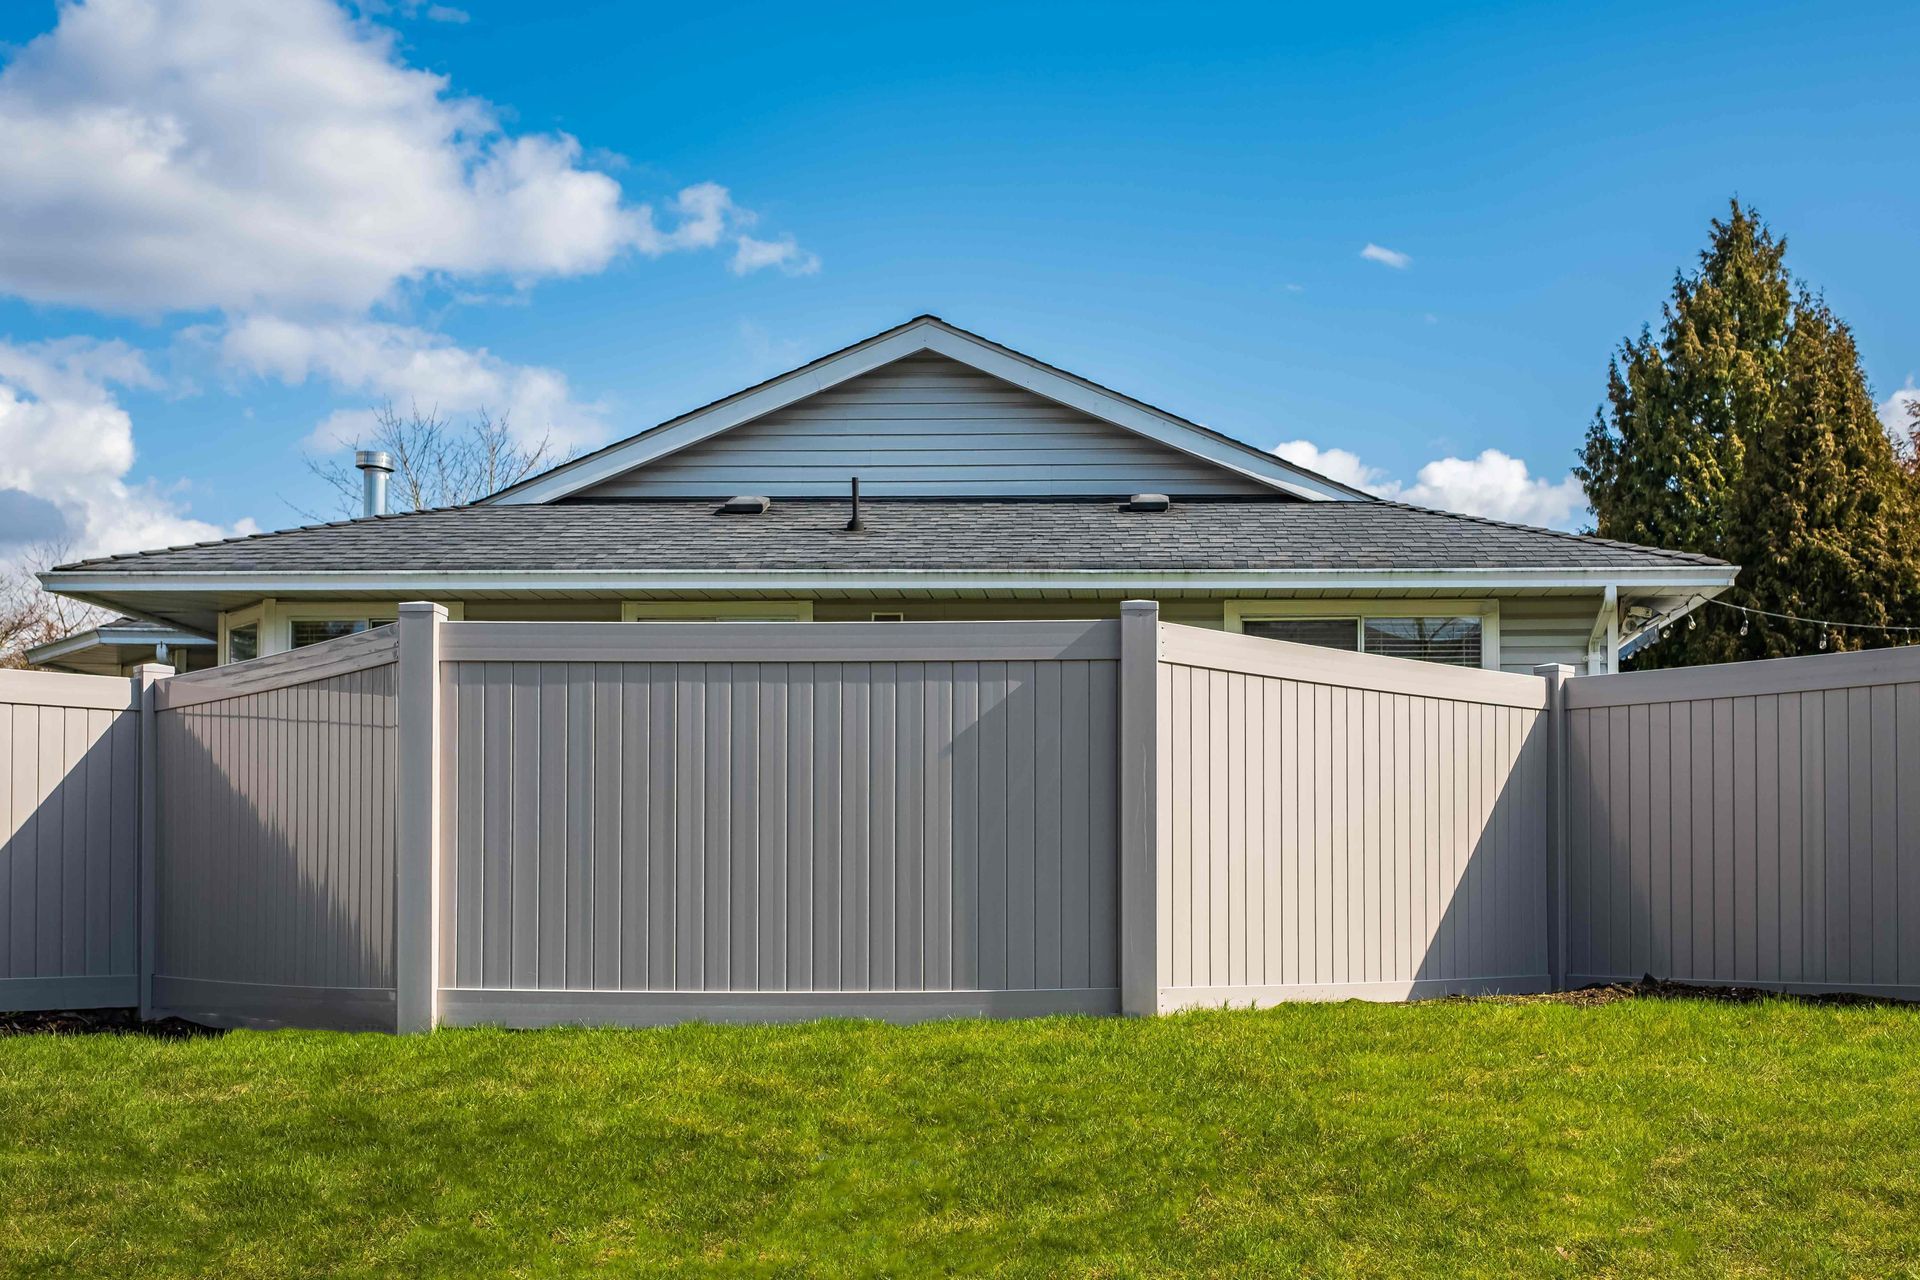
x=924 y=334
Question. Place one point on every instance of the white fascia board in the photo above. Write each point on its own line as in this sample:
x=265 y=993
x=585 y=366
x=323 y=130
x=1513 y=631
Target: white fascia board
x=1707 y=580
x=55 y=650
x=171 y=638
x=108 y=637
x=920 y=335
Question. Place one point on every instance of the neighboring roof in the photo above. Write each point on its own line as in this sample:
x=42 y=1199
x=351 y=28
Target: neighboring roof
x=118 y=633
x=899 y=535
x=926 y=333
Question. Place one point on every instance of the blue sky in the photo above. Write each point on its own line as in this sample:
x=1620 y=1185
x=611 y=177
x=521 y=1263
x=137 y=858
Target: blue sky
x=227 y=225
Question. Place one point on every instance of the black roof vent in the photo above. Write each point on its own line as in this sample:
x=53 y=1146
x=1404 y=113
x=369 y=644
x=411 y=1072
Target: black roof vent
x=1147 y=502
x=745 y=505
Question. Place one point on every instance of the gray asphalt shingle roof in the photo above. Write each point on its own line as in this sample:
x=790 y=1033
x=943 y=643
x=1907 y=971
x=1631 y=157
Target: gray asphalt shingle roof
x=971 y=534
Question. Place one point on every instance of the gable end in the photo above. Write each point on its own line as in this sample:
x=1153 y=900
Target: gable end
x=925 y=426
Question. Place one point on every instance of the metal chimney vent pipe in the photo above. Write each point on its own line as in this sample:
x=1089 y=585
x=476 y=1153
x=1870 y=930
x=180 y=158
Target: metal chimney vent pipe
x=375 y=466
x=853 y=525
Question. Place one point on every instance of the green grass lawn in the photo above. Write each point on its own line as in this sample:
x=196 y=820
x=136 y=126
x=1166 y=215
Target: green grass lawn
x=1632 y=1138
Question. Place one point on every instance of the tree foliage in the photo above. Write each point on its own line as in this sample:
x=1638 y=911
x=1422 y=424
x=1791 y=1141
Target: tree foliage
x=1744 y=430
x=437 y=462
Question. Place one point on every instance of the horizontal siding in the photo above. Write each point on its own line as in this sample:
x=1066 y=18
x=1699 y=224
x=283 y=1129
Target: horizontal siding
x=1768 y=837
x=276 y=835
x=69 y=837
x=1541 y=630
x=780 y=827
x=922 y=426
x=1324 y=837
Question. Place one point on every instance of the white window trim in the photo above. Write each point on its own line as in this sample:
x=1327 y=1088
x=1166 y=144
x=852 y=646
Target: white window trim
x=254 y=615
x=1241 y=612
x=730 y=610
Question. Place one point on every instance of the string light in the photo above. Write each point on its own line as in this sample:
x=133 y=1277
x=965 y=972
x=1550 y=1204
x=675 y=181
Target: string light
x=1747 y=611
x=1659 y=625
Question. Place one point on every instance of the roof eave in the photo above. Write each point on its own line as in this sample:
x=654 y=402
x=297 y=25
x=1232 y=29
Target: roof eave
x=1703 y=577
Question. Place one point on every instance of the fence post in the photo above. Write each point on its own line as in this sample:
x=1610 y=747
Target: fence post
x=416 y=890
x=146 y=677
x=1139 y=806
x=1556 y=675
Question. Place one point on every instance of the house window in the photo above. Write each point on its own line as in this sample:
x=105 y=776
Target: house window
x=1454 y=641
x=1456 y=638
x=889 y=617
x=243 y=642
x=1328 y=633
x=306 y=631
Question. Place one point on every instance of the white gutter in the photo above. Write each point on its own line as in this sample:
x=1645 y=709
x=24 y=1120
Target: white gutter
x=1708 y=580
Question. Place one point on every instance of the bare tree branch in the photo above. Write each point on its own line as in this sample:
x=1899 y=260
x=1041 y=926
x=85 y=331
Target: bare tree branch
x=29 y=616
x=436 y=462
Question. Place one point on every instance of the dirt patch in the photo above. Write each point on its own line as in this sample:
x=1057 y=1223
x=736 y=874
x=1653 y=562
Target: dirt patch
x=1651 y=988
x=96 y=1022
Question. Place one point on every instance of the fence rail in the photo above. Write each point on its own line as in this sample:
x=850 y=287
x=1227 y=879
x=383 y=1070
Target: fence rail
x=530 y=823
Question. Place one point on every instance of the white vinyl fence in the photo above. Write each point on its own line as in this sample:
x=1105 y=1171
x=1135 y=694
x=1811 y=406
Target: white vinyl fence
x=69 y=815
x=534 y=823
x=1754 y=824
x=653 y=821
x=1333 y=825
x=274 y=856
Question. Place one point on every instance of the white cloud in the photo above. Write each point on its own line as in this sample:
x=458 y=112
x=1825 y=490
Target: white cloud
x=752 y=255
x=447 y=13
x=66 y=441
x=1895 y=414
x=409 y=366
x=1494 y=484
x=1334 y=464
x=277 y=155
x=1386 y=257
x=1498 y=486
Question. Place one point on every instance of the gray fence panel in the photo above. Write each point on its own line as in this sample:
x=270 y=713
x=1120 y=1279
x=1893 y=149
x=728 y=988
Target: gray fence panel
x=275 y=835
x=1750 y=824
x=69 y=840
x=747 y=827
x=1339 y=825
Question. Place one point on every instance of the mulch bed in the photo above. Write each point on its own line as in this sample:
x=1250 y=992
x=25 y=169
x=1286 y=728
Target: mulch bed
x=95 y=1022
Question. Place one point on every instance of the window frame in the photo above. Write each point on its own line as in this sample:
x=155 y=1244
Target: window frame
x=1341 y=609
x=367 y=611
x=255 y=616
x=276 y=618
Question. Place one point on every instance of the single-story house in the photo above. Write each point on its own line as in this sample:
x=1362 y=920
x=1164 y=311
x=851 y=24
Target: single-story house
x=928 y=473
x=118 y=645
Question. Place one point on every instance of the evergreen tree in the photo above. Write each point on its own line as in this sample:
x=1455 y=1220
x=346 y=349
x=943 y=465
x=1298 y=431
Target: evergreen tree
x=1745 y=431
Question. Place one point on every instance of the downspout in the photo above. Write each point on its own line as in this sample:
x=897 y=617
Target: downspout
x=1606 y=632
